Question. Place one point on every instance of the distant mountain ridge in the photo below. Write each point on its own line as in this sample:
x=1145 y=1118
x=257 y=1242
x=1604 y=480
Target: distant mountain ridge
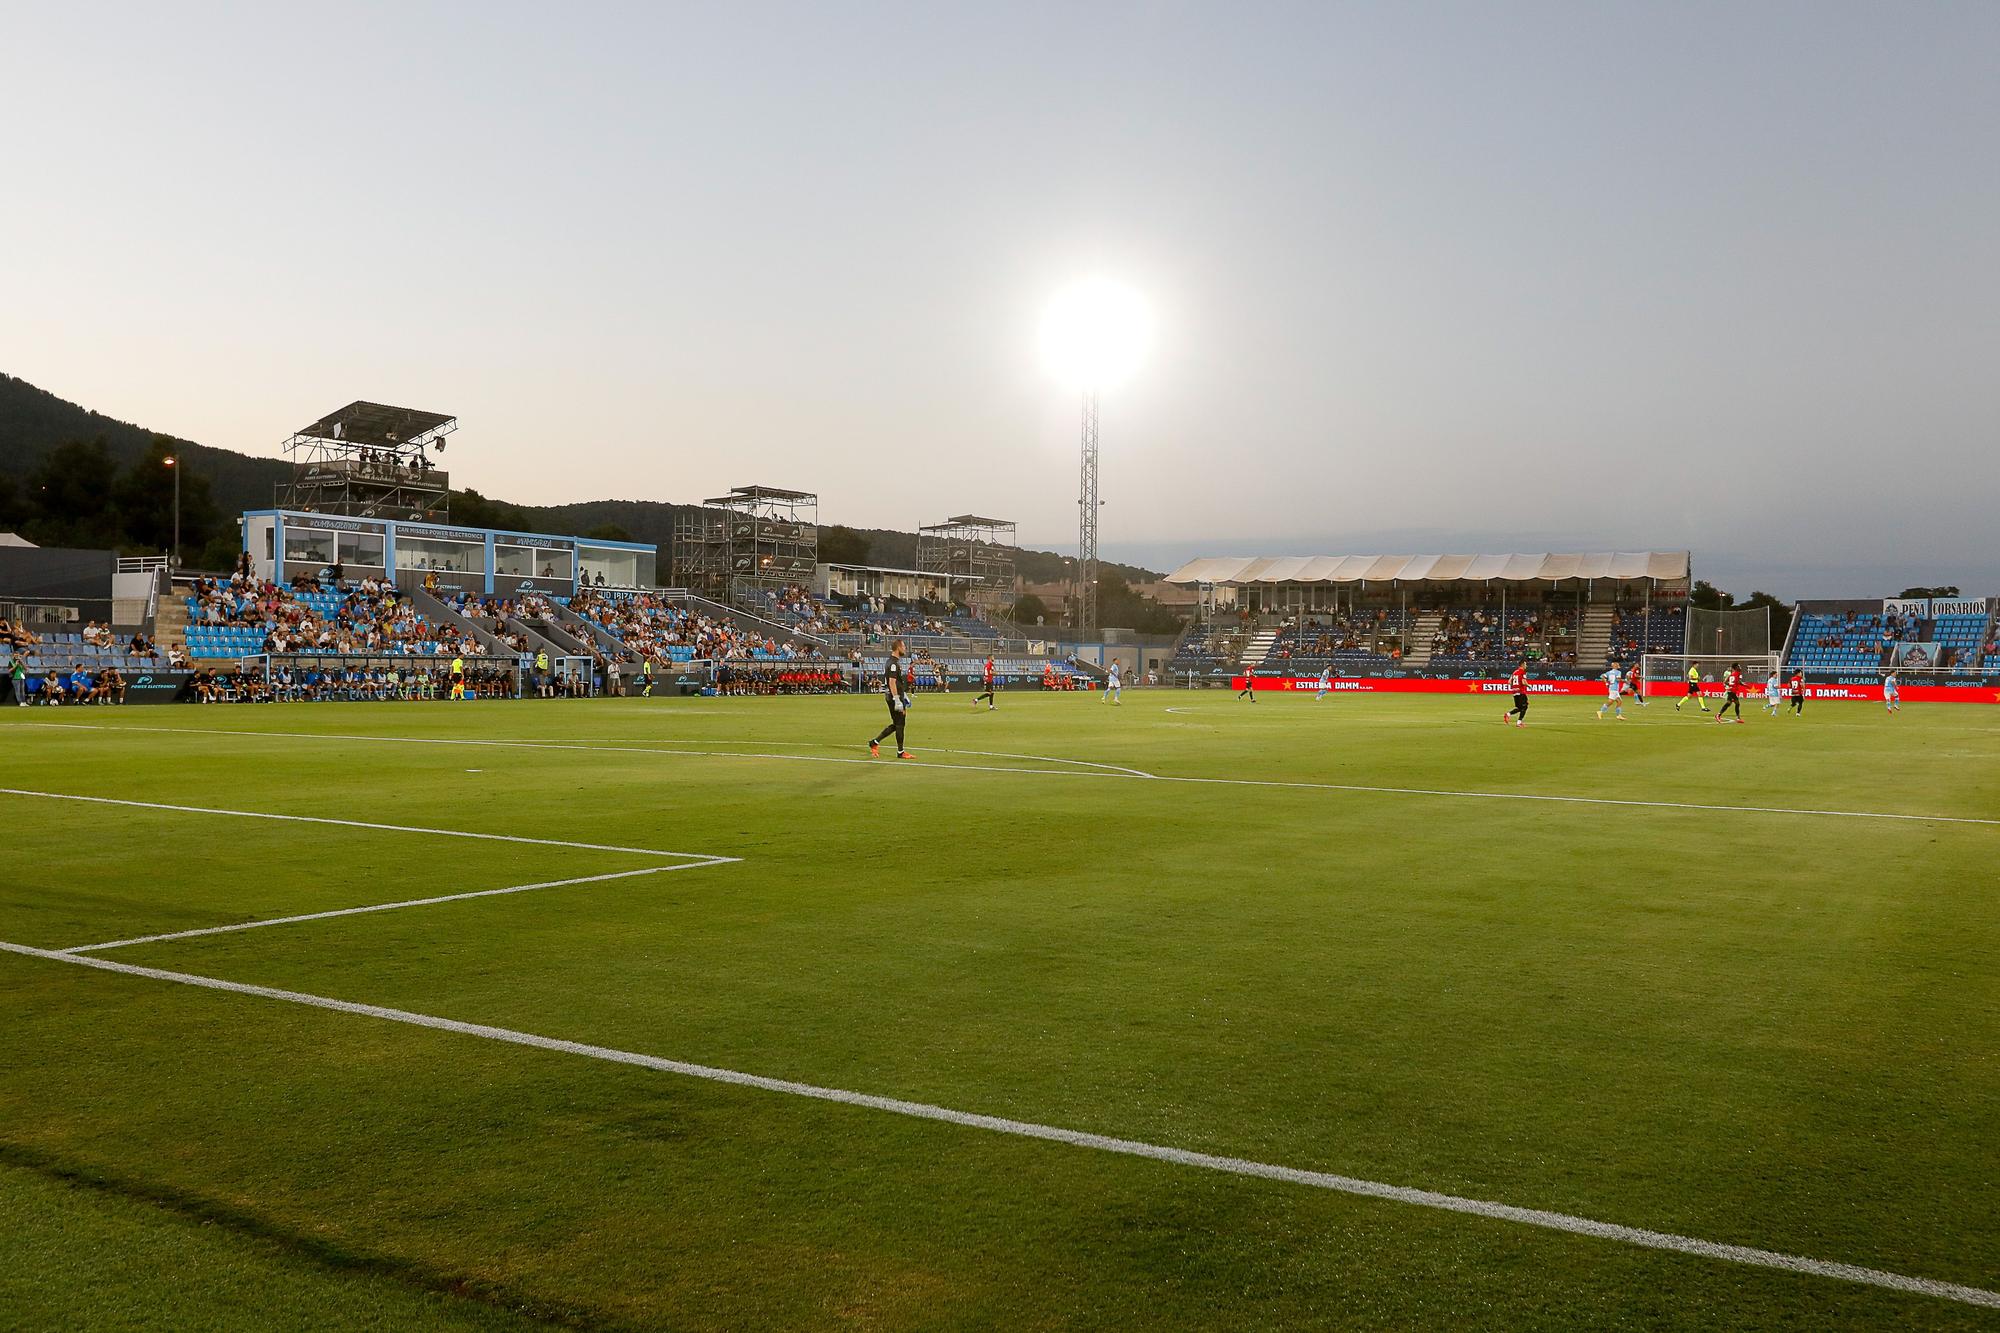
x=34 y=422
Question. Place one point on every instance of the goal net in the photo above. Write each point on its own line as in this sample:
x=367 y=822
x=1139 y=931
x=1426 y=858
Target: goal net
x=1732 y=633
x=1663 y=672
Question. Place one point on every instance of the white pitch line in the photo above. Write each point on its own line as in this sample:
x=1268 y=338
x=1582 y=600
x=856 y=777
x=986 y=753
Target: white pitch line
x=391 y=907
x=1440 y=792
x=355 y=823
x=612 y=749
x=1535 y=1217
x=1040 y=758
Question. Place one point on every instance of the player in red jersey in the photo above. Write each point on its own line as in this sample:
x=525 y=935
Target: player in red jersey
x=1518 y=683
x=1732 y=686
x=1798 y=693
x=987 y=695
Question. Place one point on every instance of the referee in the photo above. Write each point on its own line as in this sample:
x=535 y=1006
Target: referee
x=899 y=703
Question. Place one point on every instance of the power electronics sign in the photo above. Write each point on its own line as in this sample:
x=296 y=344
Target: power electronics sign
x=154 y=687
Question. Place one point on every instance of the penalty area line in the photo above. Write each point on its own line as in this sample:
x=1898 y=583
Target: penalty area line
x=392 y=907
x=356 y=823
x=1535 y=1217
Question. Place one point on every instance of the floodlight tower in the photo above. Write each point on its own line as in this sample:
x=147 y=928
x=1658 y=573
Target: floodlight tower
x=1093 y=335
x=1086 y=518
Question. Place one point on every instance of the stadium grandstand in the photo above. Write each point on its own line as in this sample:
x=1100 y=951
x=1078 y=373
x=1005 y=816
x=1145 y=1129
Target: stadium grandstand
x=1947 y=636
x=339 y=606
x=1429 y=614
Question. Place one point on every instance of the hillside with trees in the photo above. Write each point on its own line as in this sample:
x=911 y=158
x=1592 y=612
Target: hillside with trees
x=73 y=477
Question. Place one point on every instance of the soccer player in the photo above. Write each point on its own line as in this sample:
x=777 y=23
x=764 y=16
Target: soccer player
x=1249 y=689
x=1616 y=703
x=1798 y=692
x=1892 y=693
x=899 y=703
x=646 y=677
x=458 y=678
x=1774 y=692
x=1325 y=683
x=1114 y=689
x=1732 y=684
x=1694 y=689
x=1518 y=683
x=987 y=680
x=1635 y=681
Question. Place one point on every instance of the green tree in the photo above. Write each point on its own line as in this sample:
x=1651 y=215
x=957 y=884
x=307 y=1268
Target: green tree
x=1911 y=594
x=1029 y=611
x=609 y=532
x=841 y=545
x=1709 y=597
x=144 y=501
x=70 y=497
x=1119 y=607
x=474 y=510
x=11 y=510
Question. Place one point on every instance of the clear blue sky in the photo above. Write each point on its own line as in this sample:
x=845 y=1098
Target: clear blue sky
x=1426 y=276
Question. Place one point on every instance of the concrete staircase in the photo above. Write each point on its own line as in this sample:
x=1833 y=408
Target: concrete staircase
x=1255 y=647
x=1417 y=647
x=433 y=609
x=1593 y=636
x=170 y=629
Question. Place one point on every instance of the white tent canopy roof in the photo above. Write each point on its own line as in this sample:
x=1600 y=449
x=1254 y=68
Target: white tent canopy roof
x=1517 y=568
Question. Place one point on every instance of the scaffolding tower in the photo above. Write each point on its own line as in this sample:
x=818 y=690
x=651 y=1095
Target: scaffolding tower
x=755 y=537
x=975 y=555
x=370 y=460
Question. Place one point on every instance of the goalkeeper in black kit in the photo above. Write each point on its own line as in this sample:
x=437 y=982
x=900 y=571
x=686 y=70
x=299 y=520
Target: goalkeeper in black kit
x=897 y=690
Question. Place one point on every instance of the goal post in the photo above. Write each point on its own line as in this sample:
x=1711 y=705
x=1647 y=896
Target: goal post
x=1663 y=673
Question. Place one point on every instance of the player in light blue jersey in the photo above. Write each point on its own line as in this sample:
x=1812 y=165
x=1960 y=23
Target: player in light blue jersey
x=1892 y=693
x=1774 y=692
x=1325 y=683
x=1114 y=688
x=1615 y=701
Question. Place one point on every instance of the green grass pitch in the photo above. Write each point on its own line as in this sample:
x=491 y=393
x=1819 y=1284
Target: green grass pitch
x=1714 y=999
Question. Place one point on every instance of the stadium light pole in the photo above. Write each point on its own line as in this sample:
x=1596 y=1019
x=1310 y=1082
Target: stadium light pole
x=173 y=465
x=1086 y=519
x=1093 y=336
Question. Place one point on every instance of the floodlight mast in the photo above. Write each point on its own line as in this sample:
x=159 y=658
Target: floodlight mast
x=1086 y=518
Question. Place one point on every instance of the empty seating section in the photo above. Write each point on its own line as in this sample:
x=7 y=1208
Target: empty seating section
x=1639 y=630
x=68 y=652
x=1960 y=639
x=1838 y=641
x=240 y=617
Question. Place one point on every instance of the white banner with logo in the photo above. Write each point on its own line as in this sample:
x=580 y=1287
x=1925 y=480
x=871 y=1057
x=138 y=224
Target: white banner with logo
x=1916 y=656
